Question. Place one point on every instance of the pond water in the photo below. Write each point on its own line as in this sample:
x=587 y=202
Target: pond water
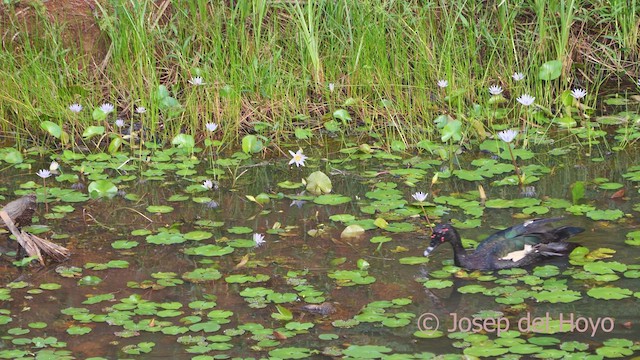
x=189 y=282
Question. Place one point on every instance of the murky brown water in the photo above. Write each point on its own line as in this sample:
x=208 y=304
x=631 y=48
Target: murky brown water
x=95 y=224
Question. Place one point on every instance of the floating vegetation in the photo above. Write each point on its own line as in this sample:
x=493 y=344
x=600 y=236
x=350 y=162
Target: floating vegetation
x=202 y=281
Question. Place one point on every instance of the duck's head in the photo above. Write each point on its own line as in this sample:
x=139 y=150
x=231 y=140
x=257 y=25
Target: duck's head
x=441 y=234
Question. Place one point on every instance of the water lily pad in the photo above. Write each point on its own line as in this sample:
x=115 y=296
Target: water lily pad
x=605 y=214
x=292 y=353
x=414 y=260
x=366 y=351
x=198 y=235
x=609 y=293
x=331 y=199
x=209 y=250
x=159 y=209
x=438 y=284
x=102 y=188
x=558 y=296
x=318 y=183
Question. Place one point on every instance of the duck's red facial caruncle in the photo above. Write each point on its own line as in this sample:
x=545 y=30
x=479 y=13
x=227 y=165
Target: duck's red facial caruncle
x=438 y=237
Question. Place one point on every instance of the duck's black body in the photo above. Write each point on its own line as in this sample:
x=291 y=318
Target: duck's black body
x=516 y=246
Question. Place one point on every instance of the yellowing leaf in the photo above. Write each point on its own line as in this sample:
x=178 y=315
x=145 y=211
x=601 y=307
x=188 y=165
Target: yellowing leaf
x=381 y=223
x=352 y=231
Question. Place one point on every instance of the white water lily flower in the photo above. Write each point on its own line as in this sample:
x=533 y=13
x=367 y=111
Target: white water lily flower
x=526 y=99
x=578 y=93
x=119 y=123
x=443 y=83
x=517 y=76
x=508 y=135
x=420 y=196
x=211 y=126
x=54 y=166
x=196 y=81
x=141 y=109
x=331 y=87
x=107 y=108
x=258 y=239
x=207 y=184
x=44 y=173
x=495 y=90
x=298 y=158
x=76 y=108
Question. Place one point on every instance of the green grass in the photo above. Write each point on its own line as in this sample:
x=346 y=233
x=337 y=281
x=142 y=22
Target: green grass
x=270 y=63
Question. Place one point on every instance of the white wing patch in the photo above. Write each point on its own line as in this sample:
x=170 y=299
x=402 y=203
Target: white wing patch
x=519 y=254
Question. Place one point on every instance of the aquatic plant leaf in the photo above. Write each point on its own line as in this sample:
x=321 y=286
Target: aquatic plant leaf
x=78 y=330
x=198 y=235
x=352 y=231
x=614 y=352
x=318 y=183
x=379 y=239
x=331 y=199
x=344 y=218
x=485 y=351
x=124 y=244
x=11 y=155
x=342 y=115
x=577 y=191
x=159 y=209
x=251 y=144
x=303 y=134
x=469 y=175
x=202 y=275
x=561 y=296
x=292 y=353
x=290 y=184
x=102 y=188
x=367 y=351
x=550 y=70
x=240 y=230
x=114 y=145
x=452 y=130
x=604 y=267
x=633 y=238
x=94 y=299
x=98 y=114
x=437 y=284
x=52 y=128
x=184 y=141
x=605 y=214
x=209 y=250
x=89 y=281
x=609 y=293
x=92 y=131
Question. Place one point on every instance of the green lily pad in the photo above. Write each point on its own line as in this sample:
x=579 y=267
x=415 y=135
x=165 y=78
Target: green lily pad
x=291 y=353
x=159 y=209
x=331 y=199
x=605 y=214
x=318 y=183
x=102 y=188
x=198 y=235
x=609 y=293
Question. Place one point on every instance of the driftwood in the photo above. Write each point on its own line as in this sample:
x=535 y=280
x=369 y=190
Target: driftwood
x=18 y=213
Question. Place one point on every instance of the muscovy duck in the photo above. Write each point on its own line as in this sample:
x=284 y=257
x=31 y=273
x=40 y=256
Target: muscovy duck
x=517 y=246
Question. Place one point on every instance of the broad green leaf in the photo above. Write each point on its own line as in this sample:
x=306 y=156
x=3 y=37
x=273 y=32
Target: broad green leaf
x=92 y=131
x=52 y=128
x=550 y=70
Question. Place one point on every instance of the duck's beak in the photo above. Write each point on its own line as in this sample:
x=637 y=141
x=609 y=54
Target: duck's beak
x=434 y=244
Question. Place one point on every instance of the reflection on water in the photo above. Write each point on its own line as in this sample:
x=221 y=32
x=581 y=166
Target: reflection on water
x=94 y=225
